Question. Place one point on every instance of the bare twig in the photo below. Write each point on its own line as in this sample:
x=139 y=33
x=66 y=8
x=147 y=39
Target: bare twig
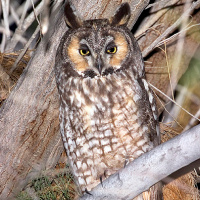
x=160 y=2
x=174 y=36
x=173 y=101
x=27 y=22
x=25 y=49
x=164 y=106
x=14 y=15
x=18 y=8
x=5 y=6
x=35 y=14
x=179 y=49
x=193 y=120
x=18 y=31
x=45 y=17
x=163 y=8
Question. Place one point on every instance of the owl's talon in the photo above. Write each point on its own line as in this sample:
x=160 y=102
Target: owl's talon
x=125 y=163
x=101 y=181
x=105 y=174
x=86 y=191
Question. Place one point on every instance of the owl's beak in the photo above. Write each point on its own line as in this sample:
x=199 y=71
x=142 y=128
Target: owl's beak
x=99 y=64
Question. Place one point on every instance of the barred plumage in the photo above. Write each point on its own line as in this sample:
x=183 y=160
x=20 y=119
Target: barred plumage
x=107 y=113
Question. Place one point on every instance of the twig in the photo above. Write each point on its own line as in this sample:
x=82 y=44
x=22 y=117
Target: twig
x=27 y=22
x=3 y=30
x=164 y=106
x=169 y=39
x=179 y=48
x=14 y=14
x=5 y=7
x=18 y=10
x=155 y=4
x=18 y=31
x=164 y=7
x=192 y=121
x=36 y=17
x=170 y=29
x=24 y=50
x=173 y=101
x=45 y=17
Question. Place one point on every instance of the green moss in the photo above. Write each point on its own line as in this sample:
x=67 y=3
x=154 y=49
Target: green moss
x=41 y=183
x=23 y=196
x=59 y=186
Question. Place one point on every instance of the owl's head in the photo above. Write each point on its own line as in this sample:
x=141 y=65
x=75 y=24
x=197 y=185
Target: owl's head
x=96 y=48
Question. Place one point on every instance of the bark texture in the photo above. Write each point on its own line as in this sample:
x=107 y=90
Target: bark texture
x=29 y=125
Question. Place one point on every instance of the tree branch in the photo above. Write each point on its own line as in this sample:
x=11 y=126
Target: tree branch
x=150 y=168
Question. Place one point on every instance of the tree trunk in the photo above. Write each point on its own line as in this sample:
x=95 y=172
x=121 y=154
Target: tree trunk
x=29 y=125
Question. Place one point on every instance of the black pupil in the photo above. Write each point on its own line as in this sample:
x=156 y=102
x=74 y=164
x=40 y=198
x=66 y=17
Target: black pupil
x=112 y=49
x=84 y=51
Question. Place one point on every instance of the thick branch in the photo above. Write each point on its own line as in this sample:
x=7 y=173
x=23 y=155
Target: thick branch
x=150 y=168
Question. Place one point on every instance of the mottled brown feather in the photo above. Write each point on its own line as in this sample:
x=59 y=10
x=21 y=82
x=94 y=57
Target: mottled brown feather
x=110 y=118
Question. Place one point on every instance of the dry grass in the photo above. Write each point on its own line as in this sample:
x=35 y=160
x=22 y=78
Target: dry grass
x=7 y=79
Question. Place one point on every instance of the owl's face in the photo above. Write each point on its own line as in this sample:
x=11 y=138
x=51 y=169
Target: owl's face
x=99 y=47
x=97 y=50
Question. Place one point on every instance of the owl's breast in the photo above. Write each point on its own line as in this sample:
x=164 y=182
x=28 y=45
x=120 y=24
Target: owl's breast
x=103 y=125
x=105 y=110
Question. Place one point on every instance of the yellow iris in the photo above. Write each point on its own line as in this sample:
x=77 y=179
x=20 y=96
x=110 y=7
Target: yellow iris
x=84 y=52
x=112 y=50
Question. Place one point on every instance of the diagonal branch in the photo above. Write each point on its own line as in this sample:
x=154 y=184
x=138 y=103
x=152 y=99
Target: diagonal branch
x=150 y=168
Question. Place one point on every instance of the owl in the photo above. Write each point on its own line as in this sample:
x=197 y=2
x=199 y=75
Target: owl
x=108 y=114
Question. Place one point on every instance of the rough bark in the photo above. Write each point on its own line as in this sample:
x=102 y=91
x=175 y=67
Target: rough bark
x=29 y=125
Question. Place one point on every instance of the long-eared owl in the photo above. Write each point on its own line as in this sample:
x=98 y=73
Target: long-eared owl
x=107 y=111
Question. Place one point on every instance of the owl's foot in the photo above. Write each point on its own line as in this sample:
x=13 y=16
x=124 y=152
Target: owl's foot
x=87 y=192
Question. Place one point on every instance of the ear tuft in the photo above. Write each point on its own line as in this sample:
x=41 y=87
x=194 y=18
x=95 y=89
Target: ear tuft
x=71 y=19
x=122 y=15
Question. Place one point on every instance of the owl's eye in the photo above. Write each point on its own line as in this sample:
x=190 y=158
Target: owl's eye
x=111 y=50
x=84 y=52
